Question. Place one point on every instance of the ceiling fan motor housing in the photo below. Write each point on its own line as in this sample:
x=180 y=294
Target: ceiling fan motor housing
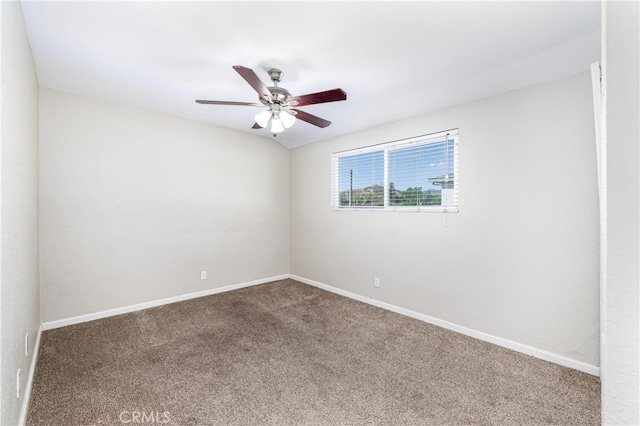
x=279 y=95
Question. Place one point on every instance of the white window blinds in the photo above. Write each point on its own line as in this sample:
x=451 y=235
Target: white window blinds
x=417 y=174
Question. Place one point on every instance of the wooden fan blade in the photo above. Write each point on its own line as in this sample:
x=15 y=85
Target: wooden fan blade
x=256 y=126
x=253 y=80
x=310 y=118
x=200 y=101
x=321 y=97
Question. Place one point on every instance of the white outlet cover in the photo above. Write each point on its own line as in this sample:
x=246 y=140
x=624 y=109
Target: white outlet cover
x=18 y=384
x=26 y=344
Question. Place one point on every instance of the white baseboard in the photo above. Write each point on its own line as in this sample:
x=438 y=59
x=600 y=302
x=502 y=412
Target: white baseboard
x=140 y=306
x=518 y=347
x=24 y=409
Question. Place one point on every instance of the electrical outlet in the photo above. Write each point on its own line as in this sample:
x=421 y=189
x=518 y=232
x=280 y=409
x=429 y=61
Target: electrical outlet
x=26 y=344
x=376 y=282
x=203 y=275
x=18 y=385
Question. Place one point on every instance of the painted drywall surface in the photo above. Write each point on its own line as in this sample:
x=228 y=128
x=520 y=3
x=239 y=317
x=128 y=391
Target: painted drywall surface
x=134 y=205
x=20 y=304
x=621 y=356
x=520 y=259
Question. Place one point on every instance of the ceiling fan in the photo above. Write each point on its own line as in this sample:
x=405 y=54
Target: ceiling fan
x=280 y=104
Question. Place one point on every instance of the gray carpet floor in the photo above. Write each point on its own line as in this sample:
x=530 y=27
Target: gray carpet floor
x=285 y=353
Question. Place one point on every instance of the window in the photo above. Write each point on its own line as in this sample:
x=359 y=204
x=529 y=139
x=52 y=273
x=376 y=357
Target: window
x=417 y=174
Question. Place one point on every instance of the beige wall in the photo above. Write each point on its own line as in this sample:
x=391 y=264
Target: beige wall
x=135 y=204
x=520 y=259
x=621 y=293
x=20 y=304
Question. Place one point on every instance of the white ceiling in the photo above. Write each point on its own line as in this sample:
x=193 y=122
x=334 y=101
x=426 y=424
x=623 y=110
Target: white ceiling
x=395 y=59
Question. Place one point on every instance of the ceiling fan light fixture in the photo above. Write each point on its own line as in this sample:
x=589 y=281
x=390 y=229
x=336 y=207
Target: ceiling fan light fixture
x=276 y=125
x=287 y=119
x=263 y=118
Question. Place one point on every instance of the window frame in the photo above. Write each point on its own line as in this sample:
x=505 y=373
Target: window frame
x=386 y=147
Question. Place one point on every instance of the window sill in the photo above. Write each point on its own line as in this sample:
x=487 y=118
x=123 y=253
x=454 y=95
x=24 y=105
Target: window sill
x=430 y=209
